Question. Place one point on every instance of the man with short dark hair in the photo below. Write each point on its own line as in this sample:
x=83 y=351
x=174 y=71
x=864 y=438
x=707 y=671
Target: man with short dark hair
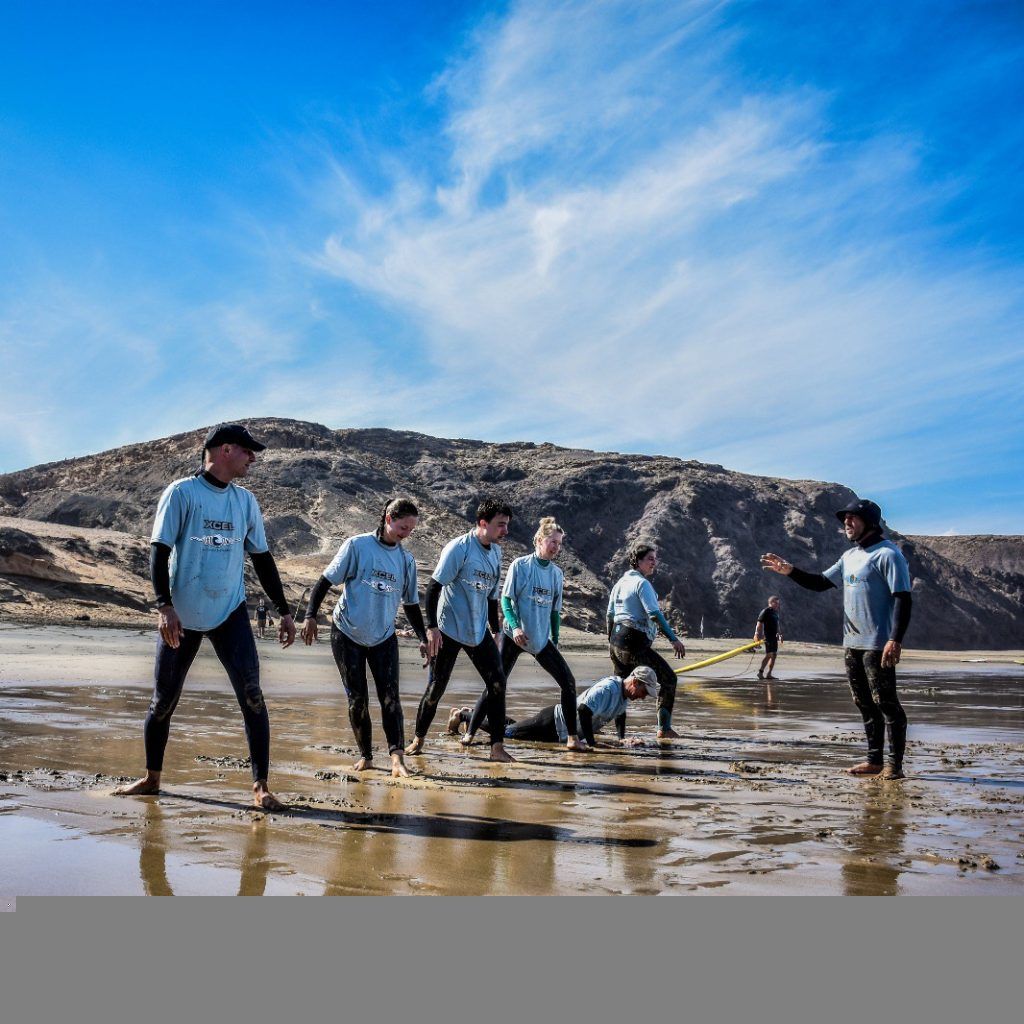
x=205 y=524
x=768 y=630
x=876 y=601
x=462 y=615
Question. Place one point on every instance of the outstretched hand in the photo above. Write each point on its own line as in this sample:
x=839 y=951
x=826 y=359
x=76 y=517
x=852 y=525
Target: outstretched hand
x=775 y=563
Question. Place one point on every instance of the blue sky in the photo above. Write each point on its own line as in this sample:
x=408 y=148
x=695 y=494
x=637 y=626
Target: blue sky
x=787 y=238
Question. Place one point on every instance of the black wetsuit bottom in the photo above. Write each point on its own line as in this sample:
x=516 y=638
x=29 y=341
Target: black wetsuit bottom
x=540 y=728
x=628 y=649
x=352 y=660
x=235 y=646
x=486 y=660
x=874 y=692
x=550 y=659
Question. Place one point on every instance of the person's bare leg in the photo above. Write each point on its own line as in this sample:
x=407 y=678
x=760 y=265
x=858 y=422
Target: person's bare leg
x=149 y=785
x=263 y=798
x=362 y=764
x=398 y=769
x=499 y=753
x=771 y=666
x=416 y=747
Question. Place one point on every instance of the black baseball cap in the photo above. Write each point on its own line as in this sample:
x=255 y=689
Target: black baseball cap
x=867 y=510
x=232 y=433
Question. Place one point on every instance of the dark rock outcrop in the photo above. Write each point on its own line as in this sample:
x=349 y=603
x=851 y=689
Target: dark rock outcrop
x=317 y=486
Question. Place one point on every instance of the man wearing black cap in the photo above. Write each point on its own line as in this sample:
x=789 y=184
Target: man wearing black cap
x=205 y=525
x=876 y=603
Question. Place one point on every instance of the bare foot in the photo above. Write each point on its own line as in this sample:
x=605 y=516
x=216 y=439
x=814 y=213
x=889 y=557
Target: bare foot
x=456 y=719
x=148 y=786
x=362 y=764
x=891 y=772
x=264 y=799
x=416 y=747
x=865 y=768
x=499 y=753
x=668 y=734
x=468 y=739
x=398 y=769
x=575 y=743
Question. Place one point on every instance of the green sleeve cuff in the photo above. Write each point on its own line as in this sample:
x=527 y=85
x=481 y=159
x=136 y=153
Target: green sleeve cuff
x=556 y=625
x=510 y=613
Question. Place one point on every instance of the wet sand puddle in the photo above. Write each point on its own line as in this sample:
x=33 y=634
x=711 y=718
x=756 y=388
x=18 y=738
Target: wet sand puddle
x=751 y=799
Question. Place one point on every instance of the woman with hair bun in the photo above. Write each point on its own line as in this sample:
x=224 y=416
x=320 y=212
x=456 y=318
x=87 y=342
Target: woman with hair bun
x=378 y=574
x=633 y=622
x=531 y=601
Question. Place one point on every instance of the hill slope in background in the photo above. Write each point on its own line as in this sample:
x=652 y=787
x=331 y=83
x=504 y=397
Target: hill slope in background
x=317 y=486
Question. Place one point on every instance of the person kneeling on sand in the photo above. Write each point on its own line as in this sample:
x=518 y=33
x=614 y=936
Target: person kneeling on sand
x=602 y=703
x=876 y=602
x=209 y=523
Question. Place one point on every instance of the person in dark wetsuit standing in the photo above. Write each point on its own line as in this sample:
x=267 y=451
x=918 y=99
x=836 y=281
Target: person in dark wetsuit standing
x=462 y=615
x=876 y=602
x=531 y=600
x=205 y=525
x=768 y=630
x=634 y=619
x=378 y=574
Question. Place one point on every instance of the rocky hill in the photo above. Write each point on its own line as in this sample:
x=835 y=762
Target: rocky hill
x=317 y=486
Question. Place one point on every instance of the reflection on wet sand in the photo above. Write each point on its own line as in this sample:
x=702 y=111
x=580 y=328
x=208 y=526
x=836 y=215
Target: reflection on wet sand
x=153 y=856
x=752 y=798
x=875 y=846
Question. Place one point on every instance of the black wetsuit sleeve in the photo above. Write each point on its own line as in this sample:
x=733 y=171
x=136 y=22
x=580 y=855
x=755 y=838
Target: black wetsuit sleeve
x=620 y=725
x=316 y=597
x=586 y=720
x=492 y=615
x=432 y=597
x=415 y=617
x=900 y=615
x=811 y=580
x=270 y=580
x=159 y=573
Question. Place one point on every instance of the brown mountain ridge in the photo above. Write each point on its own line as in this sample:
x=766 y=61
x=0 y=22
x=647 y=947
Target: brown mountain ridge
x=74 y=534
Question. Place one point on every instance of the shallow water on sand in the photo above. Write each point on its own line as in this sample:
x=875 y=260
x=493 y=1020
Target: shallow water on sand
x=751 y=799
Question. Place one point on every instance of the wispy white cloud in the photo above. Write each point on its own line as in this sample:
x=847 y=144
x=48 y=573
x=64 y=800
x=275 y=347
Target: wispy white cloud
x=638 y=249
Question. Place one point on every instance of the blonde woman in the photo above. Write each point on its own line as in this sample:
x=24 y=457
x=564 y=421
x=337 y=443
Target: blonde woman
x=531 y=602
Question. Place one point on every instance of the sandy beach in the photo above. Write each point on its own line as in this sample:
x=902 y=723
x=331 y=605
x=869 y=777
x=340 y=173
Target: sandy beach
x=752 y=798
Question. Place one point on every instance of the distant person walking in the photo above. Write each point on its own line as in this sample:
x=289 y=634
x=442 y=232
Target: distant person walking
x=634 y=619
x=462 y=615
x=378 y=574
x=768 y=629
x=205 y=525
x=876 y=603
x=531 y=601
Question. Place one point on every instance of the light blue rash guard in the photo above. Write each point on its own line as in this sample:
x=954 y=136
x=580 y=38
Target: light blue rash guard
x=633 y=601
x=534 y=586
x=606 y=701
x=869 y=578
x=468 y=573
x=209 y=531
x=378 y=578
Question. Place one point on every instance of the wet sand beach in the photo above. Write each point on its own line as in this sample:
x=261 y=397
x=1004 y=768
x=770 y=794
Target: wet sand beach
x=752 y=798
